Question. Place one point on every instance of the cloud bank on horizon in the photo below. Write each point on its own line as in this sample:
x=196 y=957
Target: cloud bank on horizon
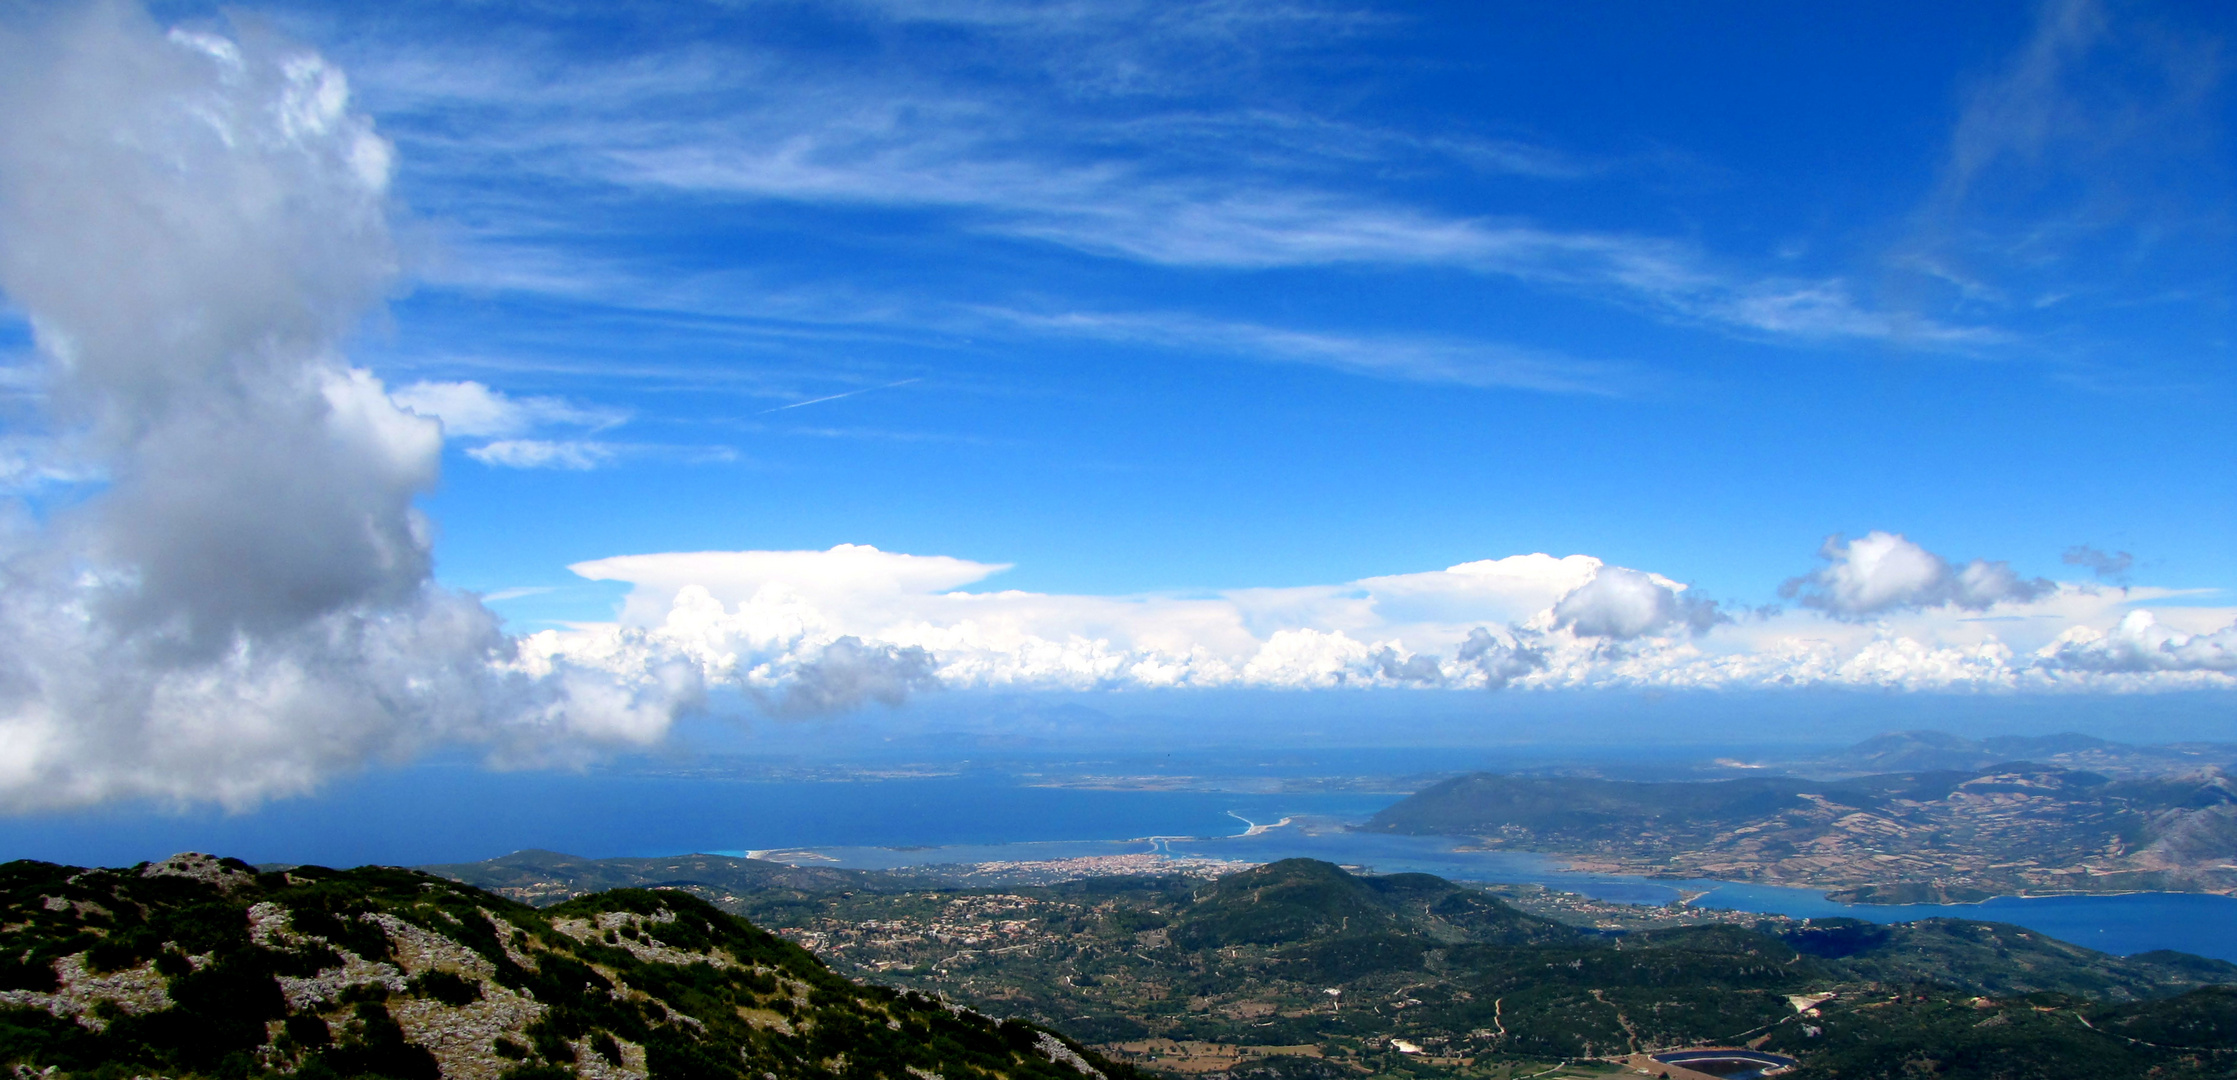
x=1881 y=612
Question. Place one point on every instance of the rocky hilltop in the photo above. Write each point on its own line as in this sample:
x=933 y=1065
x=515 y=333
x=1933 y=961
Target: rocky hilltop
x=197 y=966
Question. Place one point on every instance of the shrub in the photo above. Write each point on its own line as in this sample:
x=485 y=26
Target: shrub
x=448 y=987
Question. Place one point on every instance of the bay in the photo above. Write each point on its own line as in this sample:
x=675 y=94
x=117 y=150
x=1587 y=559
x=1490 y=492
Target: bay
x=461 y=813
x=437 y=812
x=2123 y=925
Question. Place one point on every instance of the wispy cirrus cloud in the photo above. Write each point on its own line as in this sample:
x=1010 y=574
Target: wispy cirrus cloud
x=470 y=408
x=515 y=432
x=1107 y=136
x=1126 y=203
x=2084 y=171
x=1419 y=359
x=576 y=454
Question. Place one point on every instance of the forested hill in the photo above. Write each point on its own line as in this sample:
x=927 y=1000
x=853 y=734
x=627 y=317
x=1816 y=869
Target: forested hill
x=1901 y=837
x=201 y=966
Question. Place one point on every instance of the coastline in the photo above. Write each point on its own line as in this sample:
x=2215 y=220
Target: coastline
x=2119 y=921
x=1896 y=893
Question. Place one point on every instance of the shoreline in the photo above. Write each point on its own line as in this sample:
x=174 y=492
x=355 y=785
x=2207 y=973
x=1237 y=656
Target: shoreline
x=1826 y=891
x=1692 y=892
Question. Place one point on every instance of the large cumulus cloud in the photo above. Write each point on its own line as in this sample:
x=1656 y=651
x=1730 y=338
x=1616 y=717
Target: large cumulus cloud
x=1623 y=604
x=237 y=601
x=1882 y=572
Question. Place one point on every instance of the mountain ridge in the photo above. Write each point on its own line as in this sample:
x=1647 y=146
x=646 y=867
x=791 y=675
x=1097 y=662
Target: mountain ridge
x=2017 y=828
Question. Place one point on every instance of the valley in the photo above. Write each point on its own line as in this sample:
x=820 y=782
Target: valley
x=1301 y=969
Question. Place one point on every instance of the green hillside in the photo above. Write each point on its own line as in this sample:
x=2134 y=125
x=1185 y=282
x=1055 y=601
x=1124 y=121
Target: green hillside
x=203 y=967
x=1233 y=977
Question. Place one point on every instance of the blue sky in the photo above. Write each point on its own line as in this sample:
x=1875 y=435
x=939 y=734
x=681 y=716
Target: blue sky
x=1207 y=296
x=520 y=375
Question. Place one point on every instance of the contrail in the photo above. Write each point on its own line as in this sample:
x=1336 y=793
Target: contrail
x=835 y=397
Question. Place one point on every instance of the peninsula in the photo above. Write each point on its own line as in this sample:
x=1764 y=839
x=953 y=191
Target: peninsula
x=1937 y=836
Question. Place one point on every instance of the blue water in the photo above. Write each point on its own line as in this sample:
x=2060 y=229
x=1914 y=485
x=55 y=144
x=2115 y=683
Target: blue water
x=2138 y=922
x=2123 y=925
x=436 y=814
x=443 y=813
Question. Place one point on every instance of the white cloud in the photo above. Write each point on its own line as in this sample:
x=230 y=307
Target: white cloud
x=1135 y=169
x=544 y=453
x=1461 y=362
x=1625 y=604
x=1500 y=660
x=752 y=617
x=516 y=592
x=472 y=409
x=1882 y=572
x=192 y=224
x=2140 y=644
x=835 y=579
x=1827 y=310
x=758 y=619
x=1112 y=208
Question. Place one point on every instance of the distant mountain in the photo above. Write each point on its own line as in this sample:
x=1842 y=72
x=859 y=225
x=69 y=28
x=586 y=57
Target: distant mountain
x=198 y=966
x=1888 y=838
x=547 y=877
x=1921 y=751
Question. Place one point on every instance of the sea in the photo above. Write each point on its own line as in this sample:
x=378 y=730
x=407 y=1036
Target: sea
x=2121 y=924
x=884 y=819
